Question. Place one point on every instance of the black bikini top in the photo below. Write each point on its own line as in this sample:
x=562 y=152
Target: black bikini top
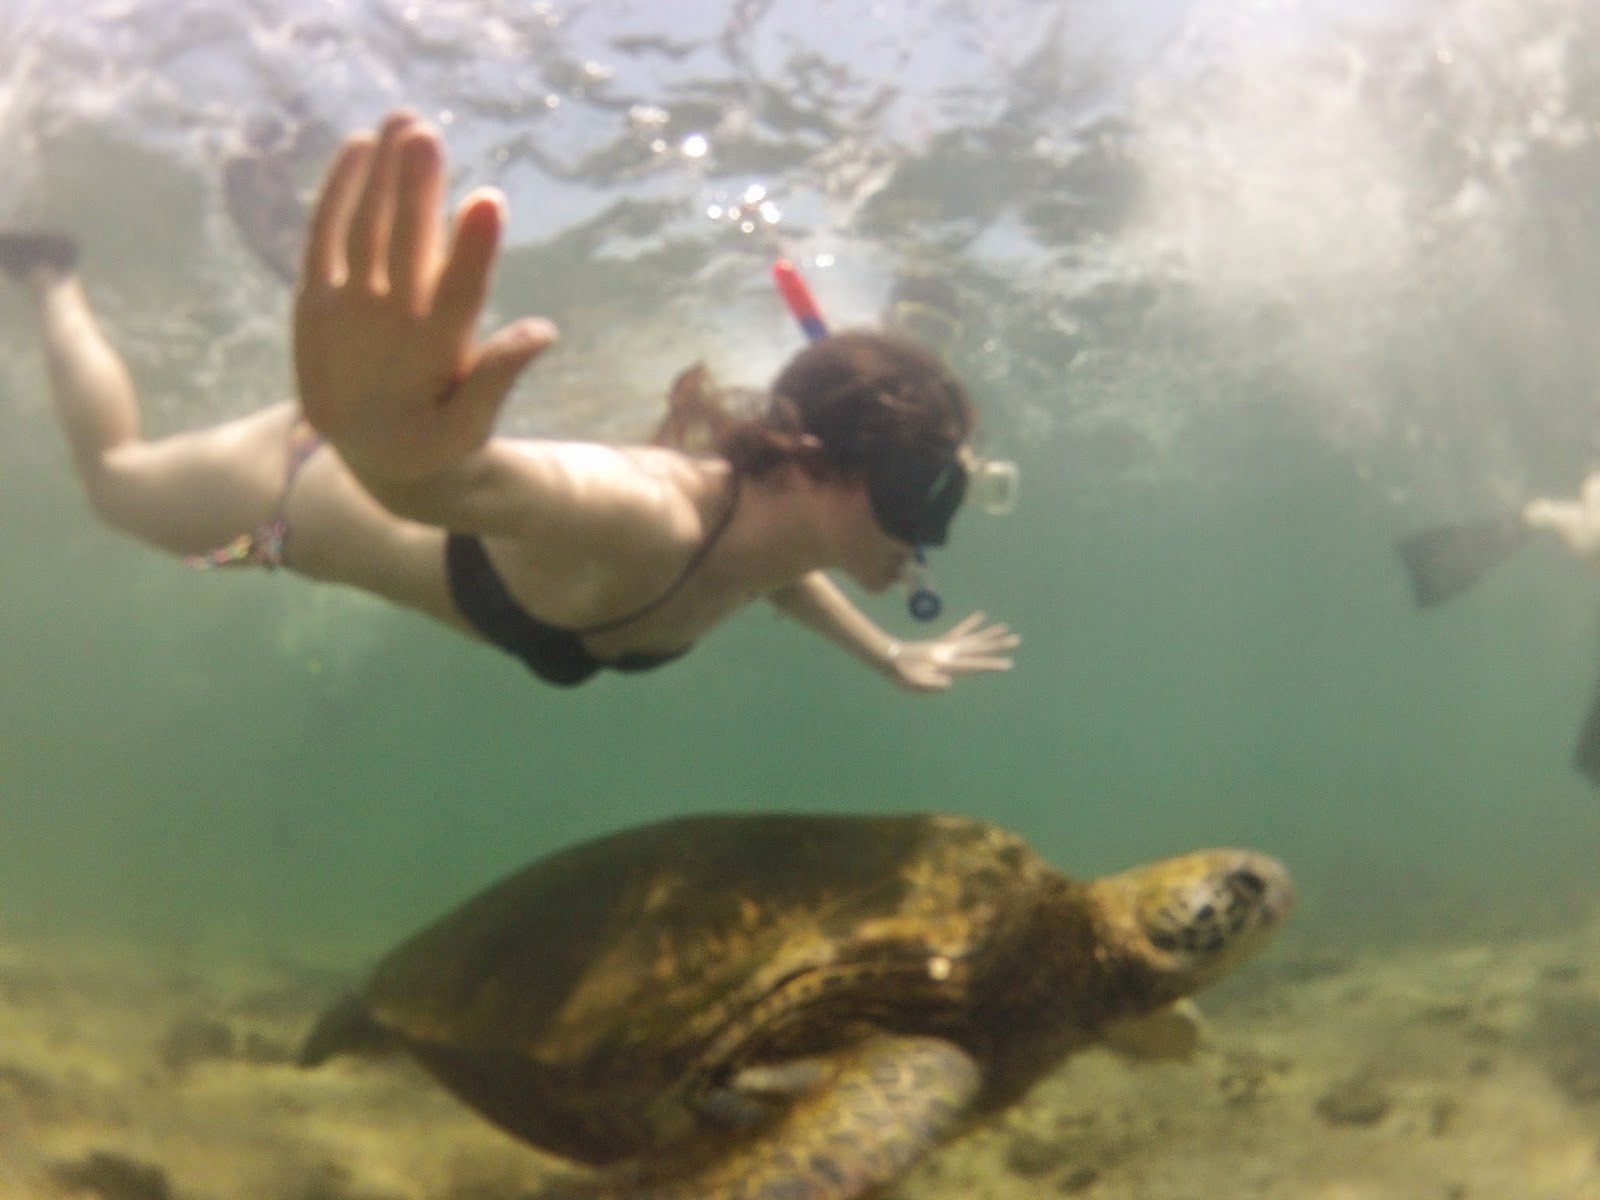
x=554 y=654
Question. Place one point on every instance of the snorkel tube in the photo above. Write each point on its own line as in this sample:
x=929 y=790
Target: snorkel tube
x=801 y=303
x=923 y=602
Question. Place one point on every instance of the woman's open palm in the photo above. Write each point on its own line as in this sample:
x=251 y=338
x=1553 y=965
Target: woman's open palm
x=387 y=359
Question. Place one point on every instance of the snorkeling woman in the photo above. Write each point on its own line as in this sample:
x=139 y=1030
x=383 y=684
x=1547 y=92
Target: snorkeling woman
x=572 y=556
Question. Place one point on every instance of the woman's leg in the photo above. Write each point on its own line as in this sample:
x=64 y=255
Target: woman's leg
x=195 y=492
x=188 y=493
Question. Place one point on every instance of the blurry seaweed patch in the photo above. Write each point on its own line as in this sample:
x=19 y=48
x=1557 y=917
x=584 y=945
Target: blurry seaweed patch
x=1565 y=1037
x=1362 y=1100
x=114 y=1176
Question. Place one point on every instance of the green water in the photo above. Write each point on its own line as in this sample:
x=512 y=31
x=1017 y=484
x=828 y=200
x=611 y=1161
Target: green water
x=1236 y=357
x=1252 y=290
x=257 y=756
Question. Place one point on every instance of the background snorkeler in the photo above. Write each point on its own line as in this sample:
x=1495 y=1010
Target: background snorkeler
x=1442 y=561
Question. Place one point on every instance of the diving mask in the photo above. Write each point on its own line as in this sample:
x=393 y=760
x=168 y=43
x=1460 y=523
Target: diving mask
x=916 y=489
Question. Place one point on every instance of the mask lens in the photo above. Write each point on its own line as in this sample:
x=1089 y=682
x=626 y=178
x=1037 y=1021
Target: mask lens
x=916 y=491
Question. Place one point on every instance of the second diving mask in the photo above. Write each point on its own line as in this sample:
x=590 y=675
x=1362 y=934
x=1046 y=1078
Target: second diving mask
x=926 y=308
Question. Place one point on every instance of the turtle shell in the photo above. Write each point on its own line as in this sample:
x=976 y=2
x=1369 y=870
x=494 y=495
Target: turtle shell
x=584 y=1001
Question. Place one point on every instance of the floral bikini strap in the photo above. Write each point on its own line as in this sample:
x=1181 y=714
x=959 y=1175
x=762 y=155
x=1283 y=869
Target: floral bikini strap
x=264 y=545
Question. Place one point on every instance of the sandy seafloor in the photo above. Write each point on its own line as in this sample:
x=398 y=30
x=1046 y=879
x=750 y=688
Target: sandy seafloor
x=1465 y=1072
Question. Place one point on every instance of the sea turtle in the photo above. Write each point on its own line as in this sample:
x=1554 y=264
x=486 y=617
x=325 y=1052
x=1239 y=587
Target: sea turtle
x=790 y=1007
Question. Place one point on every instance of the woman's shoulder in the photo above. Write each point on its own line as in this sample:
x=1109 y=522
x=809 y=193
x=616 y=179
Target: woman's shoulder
x=665 y=494
x=598 y=468
x=688 y=490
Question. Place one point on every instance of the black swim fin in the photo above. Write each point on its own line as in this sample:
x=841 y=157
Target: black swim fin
x=1442 y=562
x=1586 y=757
x=21 y=250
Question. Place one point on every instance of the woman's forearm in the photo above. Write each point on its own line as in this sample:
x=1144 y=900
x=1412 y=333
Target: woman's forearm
x=817 y=603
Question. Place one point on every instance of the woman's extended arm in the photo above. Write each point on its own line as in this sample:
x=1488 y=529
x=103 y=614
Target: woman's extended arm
x=388 y=362
x=921 y=666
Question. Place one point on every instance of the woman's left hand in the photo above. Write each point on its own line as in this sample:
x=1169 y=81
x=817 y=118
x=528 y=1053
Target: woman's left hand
x=969 y=647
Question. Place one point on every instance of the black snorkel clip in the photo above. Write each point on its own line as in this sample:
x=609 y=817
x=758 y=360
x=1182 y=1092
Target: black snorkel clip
x=923 y=601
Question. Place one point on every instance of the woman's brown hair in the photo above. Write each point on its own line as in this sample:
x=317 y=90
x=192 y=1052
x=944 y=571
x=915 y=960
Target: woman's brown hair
x=828 y=410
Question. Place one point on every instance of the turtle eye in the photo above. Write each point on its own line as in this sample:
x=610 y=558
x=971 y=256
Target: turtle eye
x=1163 y=935
x=1201 y=919
x=1206 y=917
x=1247 y=883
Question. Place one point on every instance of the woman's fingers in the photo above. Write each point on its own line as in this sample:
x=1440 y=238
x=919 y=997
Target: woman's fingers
x=367 y=237
x=413 y=253
x=464 y=281
x=984 y=650
x=378 y=222
x=323 y=264
x=496 y=365
x=976 y=655
x=965 y=626
x=996 y=636
x=972 y=663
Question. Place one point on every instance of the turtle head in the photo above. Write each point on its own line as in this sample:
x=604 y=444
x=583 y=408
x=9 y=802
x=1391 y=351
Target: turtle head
x=1190 y=919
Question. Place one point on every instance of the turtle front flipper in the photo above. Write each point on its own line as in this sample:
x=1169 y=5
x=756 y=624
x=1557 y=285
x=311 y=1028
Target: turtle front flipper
x=881 y=1106
x=1172 y=1033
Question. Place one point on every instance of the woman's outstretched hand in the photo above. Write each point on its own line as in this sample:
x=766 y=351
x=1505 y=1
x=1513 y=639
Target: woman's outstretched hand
x=969 y=647
x=389 y=365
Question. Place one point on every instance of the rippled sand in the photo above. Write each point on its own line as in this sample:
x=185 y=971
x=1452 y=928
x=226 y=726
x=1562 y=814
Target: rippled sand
x=1466 y=1073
